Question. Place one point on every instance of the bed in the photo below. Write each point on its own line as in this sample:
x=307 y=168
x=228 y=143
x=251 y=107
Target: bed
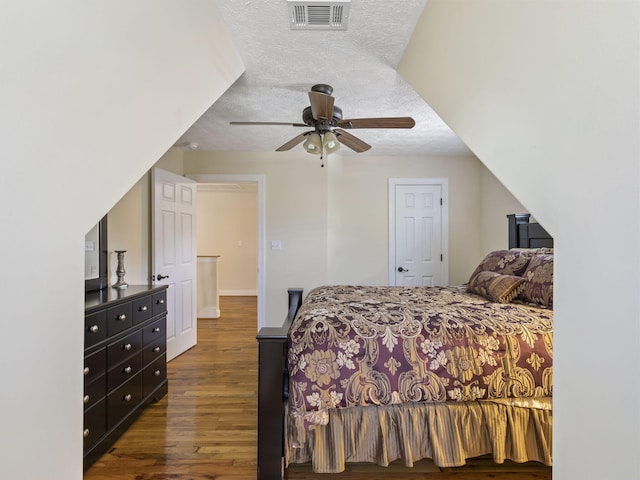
x=379 y=374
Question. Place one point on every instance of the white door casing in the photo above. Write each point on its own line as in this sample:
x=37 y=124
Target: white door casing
x=418 y=232
x=174 y=255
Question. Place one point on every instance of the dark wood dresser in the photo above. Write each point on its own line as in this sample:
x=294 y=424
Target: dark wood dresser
x=125 y=362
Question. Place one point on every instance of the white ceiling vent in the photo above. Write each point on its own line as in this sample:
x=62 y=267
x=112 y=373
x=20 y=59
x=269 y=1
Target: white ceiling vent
x=318 y=15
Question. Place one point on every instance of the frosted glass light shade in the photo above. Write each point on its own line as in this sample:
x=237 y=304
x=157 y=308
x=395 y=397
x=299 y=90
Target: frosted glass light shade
x=330 y=142
x=313 y=144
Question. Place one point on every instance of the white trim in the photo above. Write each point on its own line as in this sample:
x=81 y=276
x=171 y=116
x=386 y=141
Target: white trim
x=444 y=185
x=206 y=259
x=209 y=312
x=261 y=181
x=238 y=293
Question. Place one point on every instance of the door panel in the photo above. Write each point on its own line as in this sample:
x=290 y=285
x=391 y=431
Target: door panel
x=174 y=255
x=418 y=235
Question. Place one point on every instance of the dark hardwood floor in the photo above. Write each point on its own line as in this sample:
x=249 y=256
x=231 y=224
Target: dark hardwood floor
x=205 y=428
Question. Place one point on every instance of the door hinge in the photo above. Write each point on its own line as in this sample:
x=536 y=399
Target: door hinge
x=441 y=258
x=441 y=202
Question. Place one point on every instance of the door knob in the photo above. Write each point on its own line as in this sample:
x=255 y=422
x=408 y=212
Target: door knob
x=400 y=269
x=160 y=277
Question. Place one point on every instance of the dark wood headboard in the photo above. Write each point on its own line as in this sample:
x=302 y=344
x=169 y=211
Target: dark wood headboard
x=526 y=234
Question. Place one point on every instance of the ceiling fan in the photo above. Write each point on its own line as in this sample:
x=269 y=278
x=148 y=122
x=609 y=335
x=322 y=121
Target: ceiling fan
x=329 y=127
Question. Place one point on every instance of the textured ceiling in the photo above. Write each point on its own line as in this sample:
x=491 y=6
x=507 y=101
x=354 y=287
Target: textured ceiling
x=282 y=64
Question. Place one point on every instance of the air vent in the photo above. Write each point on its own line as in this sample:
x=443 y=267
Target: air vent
x=318 y=15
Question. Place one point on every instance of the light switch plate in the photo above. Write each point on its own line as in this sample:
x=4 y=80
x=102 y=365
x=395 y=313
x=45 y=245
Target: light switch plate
x=276 y=245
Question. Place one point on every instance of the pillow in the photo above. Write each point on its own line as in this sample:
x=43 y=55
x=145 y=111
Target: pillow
x=538 y=277
x=504 y=262
x=533 y=250
x=496 y=287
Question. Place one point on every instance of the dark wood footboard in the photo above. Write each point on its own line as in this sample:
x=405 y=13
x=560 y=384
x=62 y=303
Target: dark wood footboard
x=272 y=385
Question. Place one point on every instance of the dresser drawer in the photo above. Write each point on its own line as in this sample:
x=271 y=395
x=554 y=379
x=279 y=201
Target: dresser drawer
x=95 y=328
x=142 y=309
x=94 y=391
x=123 y=400
x=95 y=365
x=95 y=423
x=124 y=371
x=154 y=340
x=119 y=318
x=125 y=347
x=155 y=332
x=159 y=301
x=153 y=351
x=153 y=375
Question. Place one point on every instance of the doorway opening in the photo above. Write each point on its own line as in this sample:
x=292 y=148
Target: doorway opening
x=258 y=182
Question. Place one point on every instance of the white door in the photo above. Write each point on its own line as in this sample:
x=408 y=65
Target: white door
x=174 y=255
x=418 y=258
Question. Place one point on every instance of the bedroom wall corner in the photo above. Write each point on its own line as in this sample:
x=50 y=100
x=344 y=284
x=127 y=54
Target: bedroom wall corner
x=92 y=95
x=546 y=94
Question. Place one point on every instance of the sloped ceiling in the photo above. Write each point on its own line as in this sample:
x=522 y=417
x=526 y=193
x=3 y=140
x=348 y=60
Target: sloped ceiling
x=283 y=64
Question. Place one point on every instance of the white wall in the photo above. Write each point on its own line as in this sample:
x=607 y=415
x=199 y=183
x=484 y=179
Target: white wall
x=333 y=221
x=496 y=203
x=546 y=95
x=92 y=95
x=128 y=229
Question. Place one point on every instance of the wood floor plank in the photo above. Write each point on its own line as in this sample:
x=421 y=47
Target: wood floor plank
x=206 y=426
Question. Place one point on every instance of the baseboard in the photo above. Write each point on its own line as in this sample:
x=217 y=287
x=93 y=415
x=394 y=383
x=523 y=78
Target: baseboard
x=238 y=293
x=209 y=312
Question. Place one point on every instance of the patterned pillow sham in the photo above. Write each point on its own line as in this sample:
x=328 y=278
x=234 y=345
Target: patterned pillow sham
x=496 y=287
x=504 y=262
x=538 y=277
x=533 y=251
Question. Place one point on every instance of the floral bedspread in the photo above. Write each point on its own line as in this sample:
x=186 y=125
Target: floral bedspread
x=360 y=345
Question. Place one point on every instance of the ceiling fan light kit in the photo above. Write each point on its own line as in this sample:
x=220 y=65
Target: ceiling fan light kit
x=329 y=126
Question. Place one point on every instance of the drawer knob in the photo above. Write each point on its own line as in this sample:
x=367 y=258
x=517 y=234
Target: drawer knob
x=85 y=433
x=126 y=369
x=86 y=370
x=127 y=397
x=127 y=346
x=143 y=308
x=156 y=373
x=161 y=301
x=156 y=349
x=156 y=330
x=86 y=399
x=93 y=328
x=122 y=317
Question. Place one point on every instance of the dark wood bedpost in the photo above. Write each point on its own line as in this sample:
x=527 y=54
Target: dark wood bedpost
x=523 y=234
x=515 y=219
x=272 y=374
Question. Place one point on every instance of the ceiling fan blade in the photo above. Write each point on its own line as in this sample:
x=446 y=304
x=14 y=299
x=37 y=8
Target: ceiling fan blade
x=270 y=123
x=354 y=143
x=293 y=142
x=382 y=122
x=321 y=106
